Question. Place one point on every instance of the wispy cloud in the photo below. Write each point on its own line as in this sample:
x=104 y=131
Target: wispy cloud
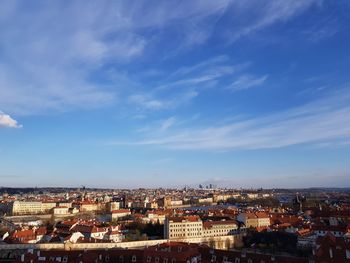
x=263 y=15
x=54 y=64
x=247 y=82
x=55 y=68
x=167 y=123
x=149 y=102
x=323 y=120
x=8 y=122
x=198 y=75
x=321 y=33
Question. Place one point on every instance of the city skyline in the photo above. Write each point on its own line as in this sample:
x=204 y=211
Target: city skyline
x=168 y=94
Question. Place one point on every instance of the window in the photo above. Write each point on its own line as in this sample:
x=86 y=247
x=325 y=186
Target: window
x=133 y=259
x=65 y=259
x=157 y=260
x=237 y=260
x=173 y=260
x=149 y=259
x=250 y=261
x=121 y=258
x=165 y=260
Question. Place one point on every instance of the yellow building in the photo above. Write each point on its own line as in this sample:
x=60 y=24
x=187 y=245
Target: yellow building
x=47 y=206
x=25 y=207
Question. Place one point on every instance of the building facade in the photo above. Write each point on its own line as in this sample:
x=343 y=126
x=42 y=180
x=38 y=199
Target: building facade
x=193 y=226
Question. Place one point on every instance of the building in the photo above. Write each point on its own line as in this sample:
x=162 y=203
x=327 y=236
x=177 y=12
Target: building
x=206 y=200
x=110 y=206
x=152 y=205
x=183 y=227
x=332 y=249
x=60 y=210
x=30 y=207
x=254 y=219
x=193 y=226
x=171 y=252
x=66 y=204
x=47 y=206
x=116 y=214
x=28 y=236
x=155 y=217
x=219 y=228
x=25 y=207
x=337 y=231
x=91 y=231
x=88 y=206
x=169 y=202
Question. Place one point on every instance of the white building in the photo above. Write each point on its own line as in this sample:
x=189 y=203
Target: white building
x=183 y=227
x=60 y=210
x=115 y=214
x=193 y=226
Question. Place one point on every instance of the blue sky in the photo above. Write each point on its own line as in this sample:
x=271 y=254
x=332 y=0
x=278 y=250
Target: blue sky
x=173 y=93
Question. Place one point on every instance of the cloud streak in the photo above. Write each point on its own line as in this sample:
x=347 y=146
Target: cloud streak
x=323 y=120
x=148 y=102
x=247 y=82
x=264 y=14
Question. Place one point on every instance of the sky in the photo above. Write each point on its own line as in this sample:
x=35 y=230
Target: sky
x=128 y=94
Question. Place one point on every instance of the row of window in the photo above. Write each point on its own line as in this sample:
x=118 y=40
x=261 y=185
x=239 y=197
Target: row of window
x=237 y=260
x=186 y=224
x=165 y=260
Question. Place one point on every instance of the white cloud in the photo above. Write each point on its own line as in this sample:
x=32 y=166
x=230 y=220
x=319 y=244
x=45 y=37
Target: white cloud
x=54 y=64
x=263 y=15
x=149 y=102
x=246 y=82
x=8 y=122
x=167 y=123
x=146 y=102
x=324 y=120
x=50 y=66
